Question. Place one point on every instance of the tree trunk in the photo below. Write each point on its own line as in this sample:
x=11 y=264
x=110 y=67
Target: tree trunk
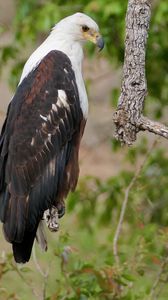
x=128 y=117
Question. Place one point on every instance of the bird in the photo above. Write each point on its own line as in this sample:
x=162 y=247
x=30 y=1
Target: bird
x=41 y=135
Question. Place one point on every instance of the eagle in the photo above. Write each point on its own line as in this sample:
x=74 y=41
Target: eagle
x=41 y=135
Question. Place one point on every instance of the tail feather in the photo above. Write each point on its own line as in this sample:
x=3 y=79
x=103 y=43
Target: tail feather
x=13 y=214
x=22 y=251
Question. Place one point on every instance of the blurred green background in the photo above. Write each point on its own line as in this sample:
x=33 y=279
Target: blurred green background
x=80 y=262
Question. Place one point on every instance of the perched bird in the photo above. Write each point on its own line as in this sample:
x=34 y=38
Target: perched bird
x=40 y=138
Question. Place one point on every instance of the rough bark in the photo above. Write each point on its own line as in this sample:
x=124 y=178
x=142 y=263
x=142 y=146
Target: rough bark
x=128 y=117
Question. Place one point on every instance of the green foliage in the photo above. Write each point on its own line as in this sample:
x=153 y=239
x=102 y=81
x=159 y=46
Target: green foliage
x=80 y=259
x=157 y=68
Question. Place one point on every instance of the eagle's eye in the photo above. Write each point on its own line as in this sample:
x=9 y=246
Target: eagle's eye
x=85 y=28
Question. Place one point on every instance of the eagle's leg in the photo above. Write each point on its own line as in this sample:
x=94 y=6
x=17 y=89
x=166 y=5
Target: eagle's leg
x=51 y=218
x=52 y=215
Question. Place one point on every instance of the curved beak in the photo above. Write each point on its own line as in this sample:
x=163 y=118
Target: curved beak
x=95 y=38
x=100 y=42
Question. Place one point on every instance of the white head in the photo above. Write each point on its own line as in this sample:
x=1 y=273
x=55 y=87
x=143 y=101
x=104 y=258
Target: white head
x=79 y=27
x=68 y=36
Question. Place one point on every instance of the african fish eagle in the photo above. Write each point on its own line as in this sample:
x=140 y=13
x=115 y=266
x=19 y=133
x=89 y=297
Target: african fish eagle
x=40 y=137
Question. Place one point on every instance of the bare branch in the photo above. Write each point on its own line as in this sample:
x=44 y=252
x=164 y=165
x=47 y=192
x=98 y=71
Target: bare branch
x=154 y=127
x=128 y=117
x=44 y=275
x=121 y=219
x=124 y=205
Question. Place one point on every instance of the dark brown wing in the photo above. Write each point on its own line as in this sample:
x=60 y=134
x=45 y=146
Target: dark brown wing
x=39 y=146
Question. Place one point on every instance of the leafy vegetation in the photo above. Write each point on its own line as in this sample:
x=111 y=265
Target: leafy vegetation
x=80 y=263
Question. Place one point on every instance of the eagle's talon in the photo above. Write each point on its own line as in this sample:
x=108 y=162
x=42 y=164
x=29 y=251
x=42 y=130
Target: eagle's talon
x=61 y=212
x=52 y=226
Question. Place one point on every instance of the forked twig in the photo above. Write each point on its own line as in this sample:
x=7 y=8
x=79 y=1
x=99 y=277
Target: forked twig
x=43 y=274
